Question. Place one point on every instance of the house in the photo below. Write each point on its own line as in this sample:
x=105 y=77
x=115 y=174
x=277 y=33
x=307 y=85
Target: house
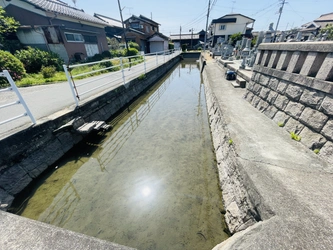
x=315 y=26
x=114 y=28
x=53 y=25
x=191 y=40
x=141 y=29
x=158 y=42
x=222 y=28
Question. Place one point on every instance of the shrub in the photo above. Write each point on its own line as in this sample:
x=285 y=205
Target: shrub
x=106 y=54
x=33 y=59
x=48 y=71
x=131 y=52
x=171 y=46
x=117 y=53
x=142 y=77
x=134 y=45
x=184 y=47
x=12 y=64
x=96 y=58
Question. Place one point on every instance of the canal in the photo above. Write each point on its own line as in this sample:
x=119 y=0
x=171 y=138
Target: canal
x=149 y=183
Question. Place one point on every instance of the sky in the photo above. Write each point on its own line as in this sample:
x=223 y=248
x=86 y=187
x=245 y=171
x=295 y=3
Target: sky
x=173 y=14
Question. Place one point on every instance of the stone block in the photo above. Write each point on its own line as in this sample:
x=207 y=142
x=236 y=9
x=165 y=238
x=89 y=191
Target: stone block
x=294 y=109
x=312 y=99
x=281 y=117
x=6 y=200
x=262 y=105
x=263 y=80
x=271 y=97
x=21 y=184
x=255 y=101
x=264 y=93
x=271 y=111
x=249 y=96
x=310 y=59
x=66 y=141
x=328 y=130
x=281 y=88
x=11 y=175
x=257 y=89
x=327 y=105
x=281 y=102
x=325 y=72
x=282 y=59
x=323 y=86
x=327 y=152
x=293 y=61
x=294 y=92
x=250 y=86
x=313 y=119
x=273 y=83
x=53 y=151
x=35 y=164
x=311 y=139
x=293 y=126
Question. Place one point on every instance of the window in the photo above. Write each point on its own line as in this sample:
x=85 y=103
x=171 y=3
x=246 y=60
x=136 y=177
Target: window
x=90 y=39
x=74 y=37
x=222 y=27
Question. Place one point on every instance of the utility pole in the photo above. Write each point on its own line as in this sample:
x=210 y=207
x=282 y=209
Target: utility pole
x=206 y=26
x=180 y=37
x=122 y=22
x=191 y=30
x=277 y=24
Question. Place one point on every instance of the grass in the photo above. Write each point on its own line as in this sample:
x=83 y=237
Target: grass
x=38 y=79
x=280 y=124
x=230 y=141
x=294 y=136
x=316 y=151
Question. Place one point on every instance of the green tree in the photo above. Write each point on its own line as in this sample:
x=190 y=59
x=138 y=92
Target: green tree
x=8 y=25
x=235 y=37
x=328 y=30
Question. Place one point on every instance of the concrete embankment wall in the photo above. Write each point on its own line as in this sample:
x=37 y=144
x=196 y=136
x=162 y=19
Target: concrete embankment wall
x=292 y=83
x=239 y=208
x=26 y=154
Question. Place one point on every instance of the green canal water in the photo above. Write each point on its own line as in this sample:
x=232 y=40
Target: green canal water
x=149 y=183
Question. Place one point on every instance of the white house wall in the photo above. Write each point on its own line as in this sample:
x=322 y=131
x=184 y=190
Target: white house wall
x=231 y=28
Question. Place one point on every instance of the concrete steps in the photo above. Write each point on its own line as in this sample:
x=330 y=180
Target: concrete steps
x=86 y=128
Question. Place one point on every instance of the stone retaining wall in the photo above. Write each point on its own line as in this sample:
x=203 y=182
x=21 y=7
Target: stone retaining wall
x=292 y=83
x=25 y=155
x=240 y=211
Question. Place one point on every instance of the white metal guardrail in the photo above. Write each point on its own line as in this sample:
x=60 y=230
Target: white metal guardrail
x=20 y=100
x=121 y=70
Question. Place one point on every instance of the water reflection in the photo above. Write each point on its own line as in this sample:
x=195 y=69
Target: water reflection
x=152 y=182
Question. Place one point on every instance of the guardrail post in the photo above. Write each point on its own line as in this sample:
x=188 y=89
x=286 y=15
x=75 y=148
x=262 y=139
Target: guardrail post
x=156 y=59
x=15 y=89
x=71 y=85
x=122 y=69
x=144 y=63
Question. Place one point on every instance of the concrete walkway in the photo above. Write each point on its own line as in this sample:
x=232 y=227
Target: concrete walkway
x=293 y=186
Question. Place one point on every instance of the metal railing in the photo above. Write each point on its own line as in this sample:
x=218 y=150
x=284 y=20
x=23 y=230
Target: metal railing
x=115 y=72
x=20 y=100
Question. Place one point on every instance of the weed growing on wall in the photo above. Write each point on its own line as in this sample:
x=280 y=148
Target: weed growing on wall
x=294 y=136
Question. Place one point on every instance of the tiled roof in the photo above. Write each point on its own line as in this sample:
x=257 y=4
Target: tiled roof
x=109 y=20
x=325 y=18
x=62 y=8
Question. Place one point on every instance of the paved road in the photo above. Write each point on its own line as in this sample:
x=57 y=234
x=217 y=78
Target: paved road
x=46 y=100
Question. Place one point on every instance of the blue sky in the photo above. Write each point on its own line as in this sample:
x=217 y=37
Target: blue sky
x=172 y=14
